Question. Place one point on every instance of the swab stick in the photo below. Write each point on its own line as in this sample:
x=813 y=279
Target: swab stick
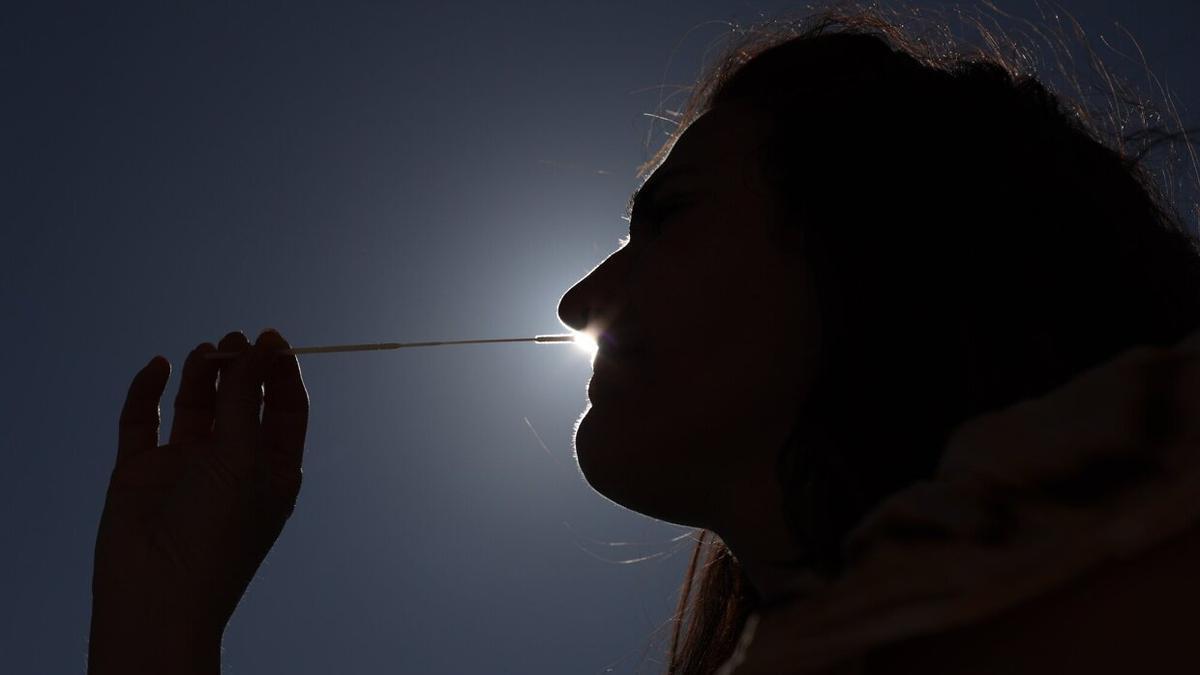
x=540 y=339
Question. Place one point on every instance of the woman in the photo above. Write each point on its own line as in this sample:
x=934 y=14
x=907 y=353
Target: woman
x=925 y=404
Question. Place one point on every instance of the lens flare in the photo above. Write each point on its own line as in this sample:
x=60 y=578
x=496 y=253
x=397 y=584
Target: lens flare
x=587 y=342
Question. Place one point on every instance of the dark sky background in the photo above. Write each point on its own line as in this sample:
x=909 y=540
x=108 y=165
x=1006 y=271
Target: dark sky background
x=354 y=172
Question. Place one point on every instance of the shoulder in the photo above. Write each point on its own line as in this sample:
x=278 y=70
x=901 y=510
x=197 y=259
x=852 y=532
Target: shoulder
x=1125 y=616
x=1059 y=535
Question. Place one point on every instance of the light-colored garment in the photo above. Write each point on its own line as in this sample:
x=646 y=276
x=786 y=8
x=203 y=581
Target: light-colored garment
x=1025 y=500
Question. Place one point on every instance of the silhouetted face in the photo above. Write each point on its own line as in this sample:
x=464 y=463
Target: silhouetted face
x=707 y=332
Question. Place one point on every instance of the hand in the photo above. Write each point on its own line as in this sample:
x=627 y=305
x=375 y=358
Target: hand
x=186 y=524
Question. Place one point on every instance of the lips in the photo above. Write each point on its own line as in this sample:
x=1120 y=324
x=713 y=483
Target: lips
x=609 y=378
x=613 y=372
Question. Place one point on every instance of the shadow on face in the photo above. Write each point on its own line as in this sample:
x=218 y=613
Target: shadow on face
x=706 y=329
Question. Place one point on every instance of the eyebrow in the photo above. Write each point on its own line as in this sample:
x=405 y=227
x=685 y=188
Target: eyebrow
x=644 y=195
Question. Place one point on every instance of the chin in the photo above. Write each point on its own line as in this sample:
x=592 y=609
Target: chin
x=598 y=455
x=629 y=470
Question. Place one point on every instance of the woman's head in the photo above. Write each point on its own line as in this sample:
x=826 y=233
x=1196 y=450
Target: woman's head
x=882 y=238
x=852 y=246
x=856 y=240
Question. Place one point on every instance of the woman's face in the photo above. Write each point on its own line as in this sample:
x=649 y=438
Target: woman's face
x=707 y=333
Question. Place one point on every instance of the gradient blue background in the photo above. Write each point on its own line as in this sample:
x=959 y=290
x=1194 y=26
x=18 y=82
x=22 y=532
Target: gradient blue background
x=353 y=172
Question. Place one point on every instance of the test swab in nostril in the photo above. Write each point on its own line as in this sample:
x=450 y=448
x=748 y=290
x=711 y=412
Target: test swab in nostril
x=540 y=339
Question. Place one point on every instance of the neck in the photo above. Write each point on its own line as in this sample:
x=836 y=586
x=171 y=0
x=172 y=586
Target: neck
x=763 y=543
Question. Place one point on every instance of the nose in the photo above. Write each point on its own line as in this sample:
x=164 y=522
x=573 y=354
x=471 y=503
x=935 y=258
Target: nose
x=592 y=302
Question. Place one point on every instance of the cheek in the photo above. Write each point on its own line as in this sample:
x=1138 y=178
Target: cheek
x=730 y=324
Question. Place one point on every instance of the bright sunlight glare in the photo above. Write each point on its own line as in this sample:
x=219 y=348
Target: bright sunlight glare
x=587 y=342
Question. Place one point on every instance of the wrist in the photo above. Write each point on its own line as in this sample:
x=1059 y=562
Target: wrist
x=117 y=646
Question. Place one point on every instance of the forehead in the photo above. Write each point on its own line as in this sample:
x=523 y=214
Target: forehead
x=717 y=140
